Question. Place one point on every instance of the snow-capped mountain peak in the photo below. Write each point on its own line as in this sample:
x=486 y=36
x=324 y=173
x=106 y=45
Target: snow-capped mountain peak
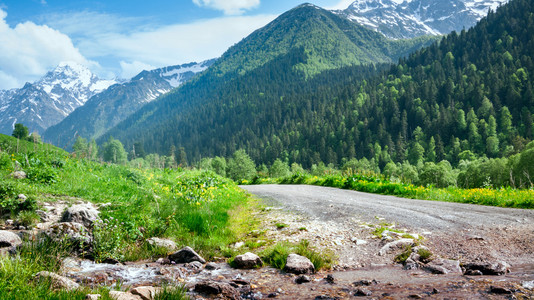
x=412 y=18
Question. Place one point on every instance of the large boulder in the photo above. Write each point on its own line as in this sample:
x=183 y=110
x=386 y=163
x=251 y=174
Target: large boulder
x=444 y=266
x=9 y=239
x=58 y=282
x=75 y=233
x=118 y=295
x=186 y=255
x=297 y=264
x=162 y=243
x=396 y=245
x=85 y=214
x=487 y=268
x=146 y=292
x=247 y=261
x=19 y=175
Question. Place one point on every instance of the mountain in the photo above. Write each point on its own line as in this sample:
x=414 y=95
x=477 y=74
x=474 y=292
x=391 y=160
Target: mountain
x=285 y=57
x=330 y=40
x=106 y=109
x=412 y=18
x=46 y=102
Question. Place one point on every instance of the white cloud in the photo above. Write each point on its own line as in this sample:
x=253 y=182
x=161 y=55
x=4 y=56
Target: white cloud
x=229 y=7
x=129 y=70
x=28 y=51
x=342 y=4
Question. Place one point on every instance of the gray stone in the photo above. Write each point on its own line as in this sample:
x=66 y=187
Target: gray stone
x=217 y=288
x=19 y=175
x=211 y=266
x=162 y=243
x=186 y=255
x=362 y=292
x=302 y=279
x=84 y=214
x=9 y=239
x=528 y=285
x=297 y=264
x=92 y=296
x=495 y=268
x=396 y=245
x=444 y=266
x=76 y=232
x=22 y=197
x=58 y=282
x=247 y=261
x=117 y=295
x=146 y=292
x=194 y=265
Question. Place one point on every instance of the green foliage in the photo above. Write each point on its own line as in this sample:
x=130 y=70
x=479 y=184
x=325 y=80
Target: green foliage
x=402 y=257
x=279 y=169
x=109 y=240
x=114 y=152
x=20 y=131
x=241 y=166
x=439 y=175
x=276 y=255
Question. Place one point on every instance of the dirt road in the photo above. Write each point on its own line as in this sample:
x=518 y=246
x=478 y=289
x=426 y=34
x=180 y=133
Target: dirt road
x=337 y=204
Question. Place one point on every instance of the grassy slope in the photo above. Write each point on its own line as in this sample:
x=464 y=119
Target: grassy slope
x=198 y=209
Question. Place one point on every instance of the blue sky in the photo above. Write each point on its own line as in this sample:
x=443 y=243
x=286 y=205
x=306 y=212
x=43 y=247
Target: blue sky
x=119 y=38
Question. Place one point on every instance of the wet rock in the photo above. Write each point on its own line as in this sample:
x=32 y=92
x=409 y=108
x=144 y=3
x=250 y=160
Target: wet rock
x=330 y=279
x=496 y=268
x=195 y=265
x=272 y=295
x=302 y=279
x=84 y=214
x=92 y=296
x=444 y=266
x=297 y=264
x=163 y=261
x=410 y=264
x=362 y=292
x=365 y=282
x=217 y=288
x=528 y=284
x=186 y=255
x=58 y=282
x=116 y=295
x=19 y=175
x=415 y=296
x=162 y=243
x=473 y=272
x=146 y=292
x=325 y=297
x=396 y=245
x=500 y=290
x=247 y=261
x=211 y=266
x=9 y=239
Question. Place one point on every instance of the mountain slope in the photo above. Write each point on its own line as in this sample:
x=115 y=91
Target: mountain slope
x=412 y=18
x=287 y=55
x=331 y=42
x=108 y=108
x=46 y=102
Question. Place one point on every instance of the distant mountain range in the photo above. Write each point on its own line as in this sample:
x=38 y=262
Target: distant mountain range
x=46 y=102
x=411 y=18
x=105 y=110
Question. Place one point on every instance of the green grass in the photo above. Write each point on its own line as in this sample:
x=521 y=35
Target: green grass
x=197 y=209
x=377 y=184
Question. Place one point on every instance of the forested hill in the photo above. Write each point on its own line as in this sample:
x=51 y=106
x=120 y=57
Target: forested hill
x=471 y=93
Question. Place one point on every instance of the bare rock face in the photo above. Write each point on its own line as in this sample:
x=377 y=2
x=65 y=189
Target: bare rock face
x=186 y=255
x=76 y=232
x=297 y=264
x=58 y=282
x=163 y=243
x=84 y=214
x=217 y=288
x=9 y=239
x=248 y=261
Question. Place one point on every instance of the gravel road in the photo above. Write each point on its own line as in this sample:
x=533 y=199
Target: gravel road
x=336 y=204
